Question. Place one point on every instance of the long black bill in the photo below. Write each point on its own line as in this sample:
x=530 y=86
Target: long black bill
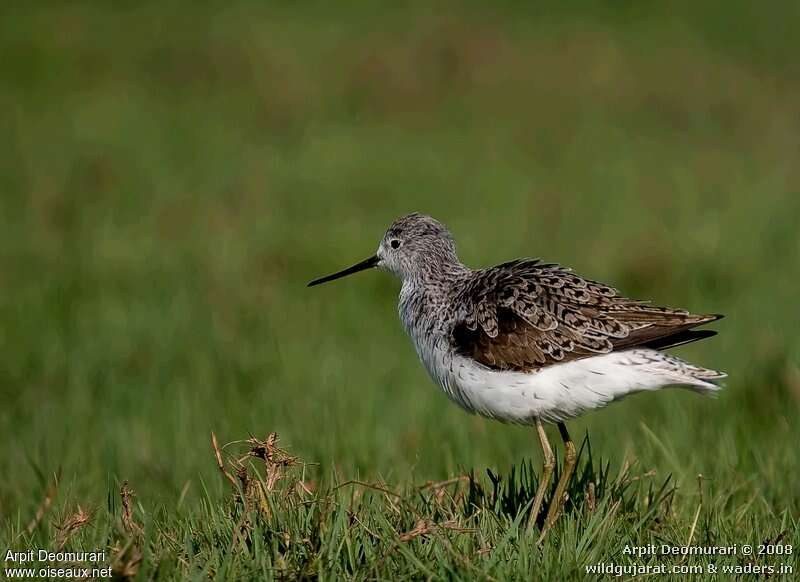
x=362 y=266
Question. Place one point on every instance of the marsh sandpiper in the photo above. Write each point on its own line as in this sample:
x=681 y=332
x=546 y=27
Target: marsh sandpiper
x=529 y=342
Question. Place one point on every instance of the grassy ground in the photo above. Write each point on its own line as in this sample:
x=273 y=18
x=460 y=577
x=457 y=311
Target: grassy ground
x=173 y=175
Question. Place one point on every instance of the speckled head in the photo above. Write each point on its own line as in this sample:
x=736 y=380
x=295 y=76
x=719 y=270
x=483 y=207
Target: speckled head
x=414 y=246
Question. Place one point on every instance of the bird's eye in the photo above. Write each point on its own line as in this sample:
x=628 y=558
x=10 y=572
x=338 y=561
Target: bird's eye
x=395 y=243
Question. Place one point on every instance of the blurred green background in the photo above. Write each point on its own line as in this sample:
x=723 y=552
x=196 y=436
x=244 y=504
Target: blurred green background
x=172 y=174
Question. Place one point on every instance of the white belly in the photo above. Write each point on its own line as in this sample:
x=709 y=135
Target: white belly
x=563 y=391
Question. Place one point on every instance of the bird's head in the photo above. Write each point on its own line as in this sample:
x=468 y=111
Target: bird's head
x=414 y=246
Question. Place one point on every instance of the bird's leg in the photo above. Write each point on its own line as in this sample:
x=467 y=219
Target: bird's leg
x=547 y=473
x=570 y=458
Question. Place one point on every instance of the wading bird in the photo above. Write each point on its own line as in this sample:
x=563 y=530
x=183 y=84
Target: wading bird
x=529 y=342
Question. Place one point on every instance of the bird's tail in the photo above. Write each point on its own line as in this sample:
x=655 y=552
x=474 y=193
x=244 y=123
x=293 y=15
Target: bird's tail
x=691 y=376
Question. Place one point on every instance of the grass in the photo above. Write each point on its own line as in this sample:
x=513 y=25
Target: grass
x=172 y=177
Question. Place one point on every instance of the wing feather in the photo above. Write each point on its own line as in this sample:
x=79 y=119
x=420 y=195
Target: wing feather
x=525 y=314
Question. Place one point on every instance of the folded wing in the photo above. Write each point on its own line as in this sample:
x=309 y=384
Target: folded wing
x=524 y=315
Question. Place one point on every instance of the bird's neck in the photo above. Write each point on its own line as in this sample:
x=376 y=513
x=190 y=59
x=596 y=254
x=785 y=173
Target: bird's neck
x=425 y=298
x=436 y=275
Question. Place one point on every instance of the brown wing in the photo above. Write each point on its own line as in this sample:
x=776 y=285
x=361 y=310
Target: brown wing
x=525 y=315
